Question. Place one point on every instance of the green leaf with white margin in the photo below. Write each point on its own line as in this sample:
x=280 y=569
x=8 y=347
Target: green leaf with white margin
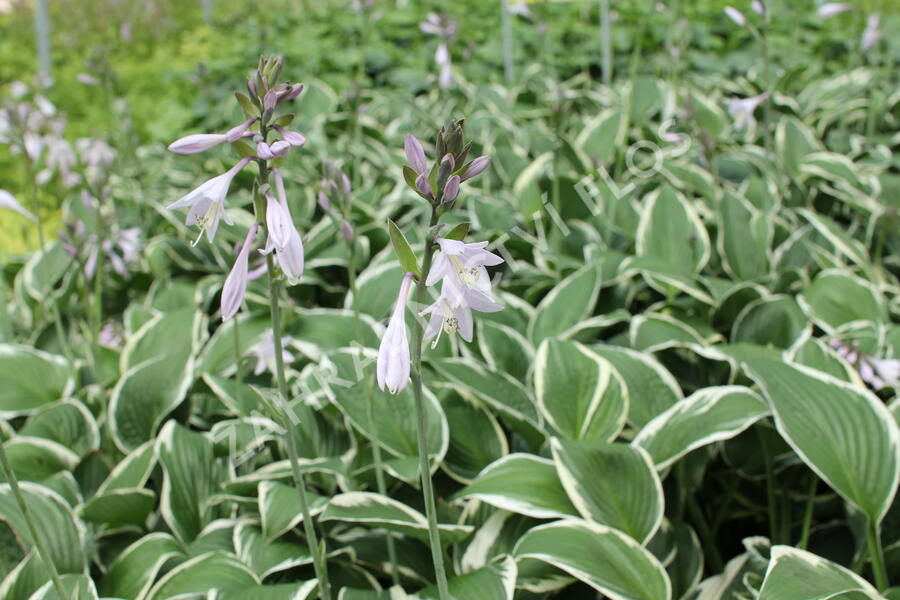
x=63 y=535
x=841 y=431
x=505 y=349
x=777 y=321
x=36 y=459
x=267 y=557
x=132 y=471
x=795 y=574
x=476 y=438
x=708 y=415
x=836 y=298
x=815 y=353
x=170 y=335
x=189 y=479
x=217 y=357
x=120 y=507
x=211 y=571
x=282 y=591
x=611 y=484
x=405 y=255
x=579 y=392
x=30 y=378
x=568 y=303
x=524 y=484
x=657 y=331
x=76 y=586
x=686 y=567
x=393 y=424
x=745 y=237
x=607 y=560
x=68 y=423
x=372 y=509
x=44 y=269
x=651 y=388
x=143 y=398
x=279 y=507
x=670 y=231
x=496 y=581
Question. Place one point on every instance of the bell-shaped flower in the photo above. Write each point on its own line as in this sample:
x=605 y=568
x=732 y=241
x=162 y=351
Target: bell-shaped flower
x=448 y=317
x=392 y=366
x=283 y=239
x=831 y=9
x=742 y=109
x=236 y=282
x=207 y=201
x=264 y=353
x=735 y=15
x=872 y=34
x=461 y=268
x=8 y=201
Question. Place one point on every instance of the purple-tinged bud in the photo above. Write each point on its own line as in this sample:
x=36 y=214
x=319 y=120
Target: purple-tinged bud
x=424 y=187
x=291 y=93
x=291 y=137
x=448 y=165
x=270 y=100
x=415 y=154
x=236 y=282
x=192 y=144
x=278 y=222
x=324 y=202
x=236 y=133
x=451 y=189
x=735 y=15
x=280 y=148
x=251 y=87
x=264 y=151
x=476 y=167
x=347 y=231
x=345 y=185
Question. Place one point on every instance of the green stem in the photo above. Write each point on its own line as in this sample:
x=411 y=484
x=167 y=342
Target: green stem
x=437 y=553
x=308 y=527
x=770 y=485
x=808 y=512
x=709 y=543
x=238 y=377
x=42 y=552
x=877 y=556
x=380 y=482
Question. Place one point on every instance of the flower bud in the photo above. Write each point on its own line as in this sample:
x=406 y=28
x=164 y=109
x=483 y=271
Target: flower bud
x=324 y=202
x=236 y=133
x=345 y=186
x=423 y=187
x=448 y=165
x=451 y=190
x=347 y=231
x=476 y=167
x=415 y=154
x=270 y=100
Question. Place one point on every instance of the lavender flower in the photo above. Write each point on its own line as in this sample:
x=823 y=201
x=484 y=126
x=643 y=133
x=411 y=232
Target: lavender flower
x=8 y=201
x=742 y=109
x=392 y=366
x=878 y=373
x=264 y=353
x=236 y=283
x=461 y=269
x=445 y=28
x=831 y=9
x=872 y=33
x=286 y=241
x=735 y=15
x=207 y=201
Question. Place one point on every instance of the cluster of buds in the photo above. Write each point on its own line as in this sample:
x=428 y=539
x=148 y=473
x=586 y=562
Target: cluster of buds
x=334 y=199
x=459 y=268
x=439 y=185
x=271 y=143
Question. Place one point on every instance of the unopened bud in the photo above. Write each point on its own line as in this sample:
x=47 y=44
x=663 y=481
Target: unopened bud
x=347 y=231
x=448 y=165
x=270 y=100
x=424 y=187
x=451 y=189
x=476 y=167
x=345 y=186
x=324 y=202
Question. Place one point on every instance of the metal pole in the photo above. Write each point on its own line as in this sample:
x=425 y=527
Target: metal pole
x=42 y=33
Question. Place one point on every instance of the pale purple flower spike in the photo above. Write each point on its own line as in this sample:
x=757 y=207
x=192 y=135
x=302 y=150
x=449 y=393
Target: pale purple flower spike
x=392 y=366
x=236 y=282
x=286 y=243
x=735 y=15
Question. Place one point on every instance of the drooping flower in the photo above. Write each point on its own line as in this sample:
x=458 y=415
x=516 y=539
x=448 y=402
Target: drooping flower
x=831 y=9
x=445 y=28
x=461 y=269
x=742 y=109
x=735 y=15
x=392 y=365
x=286 y=242
x=872 y=34
x=877 y=372
x=758 y=7
x=8 y=201
x=449 y=318
x=236 y=283
x=264 y=353
x=207 y=201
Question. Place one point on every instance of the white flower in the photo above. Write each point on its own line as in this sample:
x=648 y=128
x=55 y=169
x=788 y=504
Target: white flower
x=207 y=201
x=392 y=366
